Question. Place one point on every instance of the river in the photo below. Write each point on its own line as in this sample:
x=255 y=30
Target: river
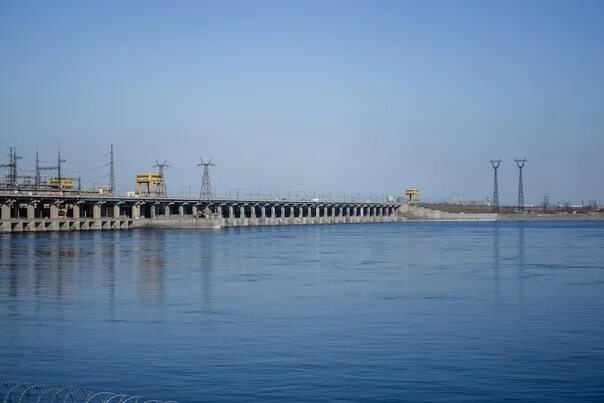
x=497 y=311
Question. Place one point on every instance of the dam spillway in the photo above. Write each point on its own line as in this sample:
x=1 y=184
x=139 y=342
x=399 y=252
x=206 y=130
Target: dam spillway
x=31 y=212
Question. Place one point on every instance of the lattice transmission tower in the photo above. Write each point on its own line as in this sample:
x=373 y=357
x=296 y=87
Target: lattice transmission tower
x=205 y=193
x=12 y=165
x=495 y=164
x=520 y=163
x=161 y=166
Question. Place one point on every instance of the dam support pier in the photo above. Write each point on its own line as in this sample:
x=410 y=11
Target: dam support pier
x=32 y=213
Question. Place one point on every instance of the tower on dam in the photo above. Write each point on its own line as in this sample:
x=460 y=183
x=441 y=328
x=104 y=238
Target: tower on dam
x=495 y=164
x=520 y=163
x=205 y=193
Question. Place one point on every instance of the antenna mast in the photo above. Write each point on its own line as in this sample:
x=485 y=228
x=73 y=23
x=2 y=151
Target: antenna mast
x=59 y=162
x=111 y=173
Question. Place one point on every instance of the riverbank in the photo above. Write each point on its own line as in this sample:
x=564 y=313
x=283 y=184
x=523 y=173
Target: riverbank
x=417 y=213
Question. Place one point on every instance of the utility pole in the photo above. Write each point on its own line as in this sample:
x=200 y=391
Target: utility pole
x=12 y=166
x=161 y=166
x=205 y=192
x=520 y=163
x=59 y=162
x=39 y=170
x=37 y=179
x=10 y=160
x=495 y=164
x=14 y=175
x=111 y=173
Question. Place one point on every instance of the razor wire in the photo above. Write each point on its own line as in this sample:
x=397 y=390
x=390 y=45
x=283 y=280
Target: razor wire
x=19 y=392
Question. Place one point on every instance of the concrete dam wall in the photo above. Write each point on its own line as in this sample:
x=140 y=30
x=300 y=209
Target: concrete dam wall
x=412 y=212
x=34 y=213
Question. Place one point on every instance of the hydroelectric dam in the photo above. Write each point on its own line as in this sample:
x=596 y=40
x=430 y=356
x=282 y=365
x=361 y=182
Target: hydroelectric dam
x=31 y=212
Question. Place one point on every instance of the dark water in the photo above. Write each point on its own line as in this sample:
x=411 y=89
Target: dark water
x=373 y=312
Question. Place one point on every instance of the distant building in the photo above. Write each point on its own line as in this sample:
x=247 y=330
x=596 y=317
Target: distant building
x=412 y=195
x=65 y=183
x=149 y=184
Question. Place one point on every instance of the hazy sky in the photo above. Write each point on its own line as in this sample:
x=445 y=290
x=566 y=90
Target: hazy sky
x=346 y=96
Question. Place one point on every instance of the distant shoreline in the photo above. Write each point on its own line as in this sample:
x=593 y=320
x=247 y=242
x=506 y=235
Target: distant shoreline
x=419 y=213
x=550 y=217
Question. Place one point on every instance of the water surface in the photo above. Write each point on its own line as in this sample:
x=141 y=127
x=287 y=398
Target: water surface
x=371 y=312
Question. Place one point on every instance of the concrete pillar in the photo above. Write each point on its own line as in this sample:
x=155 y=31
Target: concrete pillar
x=116 y=211
x=5 y=209
x=195 y=211
x=317 y=212
x=54 y=211
x=152 y=211
x=361 y=211
x=242 y=211
x=273 y=212
x=263 y=211
x=181 y=210
x=96 y=211
x=31 y=212
x=167 y=211
x=381 y=211
x=136 y=211
x=354 y=211
x=253 y=212
x=347 y=211
x=309 y=211
x=75 y=210
x=231 y=213
x=282 y=211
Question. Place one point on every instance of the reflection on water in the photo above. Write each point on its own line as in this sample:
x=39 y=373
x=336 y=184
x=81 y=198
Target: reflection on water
x=57 y=264
x=496 y=259
x=150 y=264
x=521 y=263
x=410 y=311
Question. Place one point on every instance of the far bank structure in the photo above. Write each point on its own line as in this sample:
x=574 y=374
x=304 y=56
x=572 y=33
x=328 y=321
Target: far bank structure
x=21 y=212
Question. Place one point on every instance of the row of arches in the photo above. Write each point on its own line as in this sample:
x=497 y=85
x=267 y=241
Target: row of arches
x=294 y=210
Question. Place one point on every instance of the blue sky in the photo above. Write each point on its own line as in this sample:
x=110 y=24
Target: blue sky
x=325 y=96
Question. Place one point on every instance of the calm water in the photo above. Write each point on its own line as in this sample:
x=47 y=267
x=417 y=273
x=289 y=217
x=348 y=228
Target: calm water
x=373 y=312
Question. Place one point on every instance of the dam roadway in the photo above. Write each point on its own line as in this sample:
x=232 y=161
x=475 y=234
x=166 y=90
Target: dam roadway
x=71 y=211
